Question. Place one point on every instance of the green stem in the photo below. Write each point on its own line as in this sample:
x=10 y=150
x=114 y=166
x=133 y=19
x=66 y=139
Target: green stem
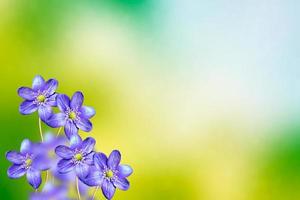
x=41 y=134
x=77 y=188
x=40 y=127
x=58 y=132
x=47 y=176
x=95 y=192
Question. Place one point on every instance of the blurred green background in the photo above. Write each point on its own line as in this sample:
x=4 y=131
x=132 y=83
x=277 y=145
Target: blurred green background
x=201 y=97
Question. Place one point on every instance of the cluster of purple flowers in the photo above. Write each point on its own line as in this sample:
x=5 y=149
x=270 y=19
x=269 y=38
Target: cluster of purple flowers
x=67 y=160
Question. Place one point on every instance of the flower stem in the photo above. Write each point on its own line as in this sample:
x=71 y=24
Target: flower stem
x=41 y=133
x=47 y=176
x=77 y=188
x=95 y=192
x=58 y=132
x=40 y=127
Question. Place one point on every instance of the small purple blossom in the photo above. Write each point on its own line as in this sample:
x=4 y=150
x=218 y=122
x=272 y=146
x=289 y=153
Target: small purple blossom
x=51 y=192
x=109 y=174
x=48 y=149
x=28 y=161
x=41 y=97
x=73 y=114
x=51 y=142
x=78 y=157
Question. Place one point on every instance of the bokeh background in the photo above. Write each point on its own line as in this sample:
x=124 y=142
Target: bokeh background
x=201 y=97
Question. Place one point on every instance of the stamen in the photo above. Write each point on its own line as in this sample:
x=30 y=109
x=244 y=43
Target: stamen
x=28 y=162
x=109 y=174
x=78 y=157
x=51 y=154
x=72 y=115
x=41 y=98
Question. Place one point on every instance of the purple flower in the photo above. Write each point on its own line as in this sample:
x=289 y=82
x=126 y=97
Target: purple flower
x=78 y=157
x=48 y=149
x=50 y=143
x=28 y=161
x=51 y=192
x=109 y=174
x=73 y=115
x=40 y=97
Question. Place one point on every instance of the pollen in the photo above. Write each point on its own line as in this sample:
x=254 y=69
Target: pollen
x=51 y=154
x=109 y=174
x=28 y=162
x=41 y=98
x=72 y=115
x=78 y=156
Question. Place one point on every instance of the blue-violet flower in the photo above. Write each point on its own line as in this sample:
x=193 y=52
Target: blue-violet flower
x=28 y=161
x=41 y=97
x=73 y=115
x=51 y=192
x=109 y=174
x=78 y=157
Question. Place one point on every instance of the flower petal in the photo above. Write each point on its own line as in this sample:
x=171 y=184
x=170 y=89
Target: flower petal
x=108 y=189
x=75 y=141
x=49 y=87
x=27 y=107
x=100 y=161
x=16 y=171
x=84 y=124
x=64 y=177
x=63 y=102
x=83 y=189
x=94 y=178
x=44 y=112
x=64 y=152
x=37 y=82
x=34 y=177
x=41 y=162
x=56 y=120
x=70 y=129
x=26 y=93
x=121 y=183
x=51 y=100
x=65 y=165
x=124 y=170
x=87 y=112
x=82 y=170
x=114 y=159
x=15 y=157
x=88 y=145
x=89 y=158
x=77 y=100
x=26 y=146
